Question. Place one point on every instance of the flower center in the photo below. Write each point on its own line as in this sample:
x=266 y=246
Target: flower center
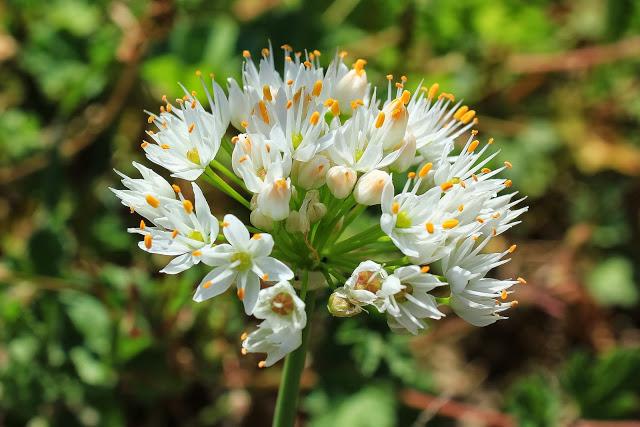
x=296 y=140
x=402 y=295
x=196 y=235
x=193 y=156
x=403 y=220
x=261 y=173
x=244 y=260
x=282 y=304
x=369 y=281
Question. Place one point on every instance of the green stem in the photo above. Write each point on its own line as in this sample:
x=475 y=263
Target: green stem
x=287 y=403
x=215 y=180
x=226 y=172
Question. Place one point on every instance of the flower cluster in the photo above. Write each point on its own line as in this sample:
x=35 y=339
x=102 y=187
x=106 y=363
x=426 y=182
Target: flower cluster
x=308 y=151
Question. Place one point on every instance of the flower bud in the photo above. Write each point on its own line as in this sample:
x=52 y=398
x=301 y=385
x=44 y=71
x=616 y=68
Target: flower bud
x=273 y=200
x=352 y=86
x=340 y=180
x=369 y=188
x=407 y=154
x=297 y=222
x=340 y=306
x=311 y=174
x=260 y=220
x=396 y=120
x=316 y=211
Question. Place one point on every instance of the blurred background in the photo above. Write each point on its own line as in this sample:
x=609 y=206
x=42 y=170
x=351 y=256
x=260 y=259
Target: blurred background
x=91 y=335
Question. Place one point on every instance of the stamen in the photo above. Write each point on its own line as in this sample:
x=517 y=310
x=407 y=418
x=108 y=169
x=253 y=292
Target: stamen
x=450 y=223
x=359 y=66
x=244 y=124
x=508 y=164
x=152 y=201
x=235 y=139
x=503 y=295
x=148 y=241
x=356 y=103
x=433 y=90
x=425 y=269
x=263 y=112
x=176 y=188
x=446 y=185
x=196 y=253
x=224 y=224
x=262 y=364
x=466 y=118
x=429 y=226
x=191 y=127
x=266 y=93
x=243 y=159
x=424 y=170
x=472 y=147
x=256 y=236
x=460 y=208
x=144 y=144
x=335 y=108
x=380 y=120
x=151 y=118
x=411 y=175
x=289 y=82
x=343 y=54
x=485 y=170
x=461 y=112
x=246 y=54
x=265 y=277
x=390 y=77
x=317 y=88
x=521 y=280
x=142 y=224
x=265 y=51
x=315 y=118
x=244 y=336
x=514 y=303
x=406 y=97
x=508 y=183
x=244 y=351
x=289 y=104
x=395 y=207
x=174 y=233
x=512 y=248
x=188 y=206
x=165 y=146
x=491 y=141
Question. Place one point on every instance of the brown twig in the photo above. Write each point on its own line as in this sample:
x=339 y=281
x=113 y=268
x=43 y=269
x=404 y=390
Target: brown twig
x=456 y=410
x=578 y=59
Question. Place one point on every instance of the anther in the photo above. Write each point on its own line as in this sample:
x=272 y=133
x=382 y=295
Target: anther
x=503 y=295
x=257 y=236
x=466 y=118
x=491 y=141
x=450 y=223
x=425 y=269
x=265 y=277
x=266 y=93
x=246 y=54
x=395 y=207
x=461 y=112
x=512 y=248
x=192 y=126
x=390 y=77
x=514 y=303
x=263 y=112
x=472 y=147
x=424 y=170
x=359 y=65
x=165 y=146
x=262 y=364
x=152 y=201
x=244 y=336
x=521 y=280
x=508 y=183
x=142 y=224
x=244 y=124
x=315 y=118
x=380 y=120
x=406 y=97
x=446 y=185
x=411 y=175
x=265 y=51
x=148 y=241
x=196 y=253
x=188 y=206
x=174 y=234
x=433 y=90
x=429 y=226
x=485 y=170
x=508 y=164
x=317 y=88
x=151 y=118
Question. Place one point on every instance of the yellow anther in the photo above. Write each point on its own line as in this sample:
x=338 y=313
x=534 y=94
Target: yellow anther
x=315 y=118
x=151 y=118
x=429 y=226
x=450 y=223
x=246 y=54
x=244 y=351
x=207 y=284
x=446 y=185
x=474 y=132
x=316 y=52
x=286 y=47
x=175 y=188
x=289 y=104
x=174 y=234
x=485 y=170
x=389 y=77
x=461 y=112
x=395 y=207
x=265 y=51
x=265 y=277
x=356 y=103
x=512 y=248
x=244 y=124
x=343 y=54
x=521 y=280
x=503 y=295
x=404 y=79
x=243 y=159
x=312 y=56
x=433 y=90
x=317 y=88
x=196 y=253
x=244 y=336
x=193 y=104
x=472 y=147
x=480 y=220
x=514 y=303
x=280 y=184
x=424 y=170
x=188 y=206
x=307 y=64
x=152 y=201
x=235 y=139
x=263 y=112
x=474 y=177
x=257 y=236
x=406 y=97
x=142 y=224
x=425 y=269
x=380 y=120
x=411 y=175
x=359 y=66
x=148 y=241
x=399 y=85
x=262 y=364
x=460 y=208
x=240 y=294
x=192 y=126
x=266 y=93
x=449 y=96
x=224 y=224
x=491 y=141
x=329 y=102
x=508 y=183
x=508 y=164
x=466 y=118
x=289 y=82
x=335 y=108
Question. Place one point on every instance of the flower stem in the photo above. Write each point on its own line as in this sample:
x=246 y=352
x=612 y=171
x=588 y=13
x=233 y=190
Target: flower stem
x=287 y=403
x=215 y=180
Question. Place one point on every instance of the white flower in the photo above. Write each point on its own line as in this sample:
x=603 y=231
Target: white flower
x=276 y=344
x=474 y=297
x=280 y=306
x=244 y=260
x=185 y=233
x=341 y=180
x=351 y=85
x=413 y=303
x=264 y=170
x=368 y=190
x=188 y=137
x=310 y=175
x=145 y=195
x=367 y=285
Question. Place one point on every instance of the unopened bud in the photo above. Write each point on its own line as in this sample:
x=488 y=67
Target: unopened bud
x=340 y=180
x=340 y=306
x=316 y=211
x=369 y=188
x=407 y=154
x=395 y=124
x=260 y=220
x=311 y=174
x=352 y=86
x=297 y=222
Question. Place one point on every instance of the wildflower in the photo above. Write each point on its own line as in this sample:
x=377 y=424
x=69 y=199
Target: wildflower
x=244 y=261
x=368 y=189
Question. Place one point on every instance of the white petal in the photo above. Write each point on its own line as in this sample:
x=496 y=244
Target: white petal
x=277 y=270
x=261 y=246
x=235 y=232
x=179 y=264
x=216 y=282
